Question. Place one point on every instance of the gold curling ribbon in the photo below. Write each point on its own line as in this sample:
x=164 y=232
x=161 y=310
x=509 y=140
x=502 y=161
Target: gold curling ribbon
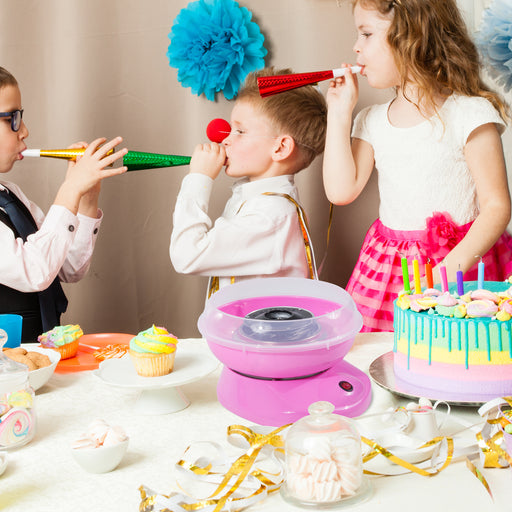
x=303 y=222
x=479 y=475
x=380 y=450
x=491 y=445
x=241 y=468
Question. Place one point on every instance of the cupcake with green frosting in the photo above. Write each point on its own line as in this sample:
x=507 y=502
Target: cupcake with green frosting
x=153 y=351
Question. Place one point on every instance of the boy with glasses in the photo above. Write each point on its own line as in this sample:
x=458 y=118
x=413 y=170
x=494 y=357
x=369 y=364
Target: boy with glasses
x=38 y=251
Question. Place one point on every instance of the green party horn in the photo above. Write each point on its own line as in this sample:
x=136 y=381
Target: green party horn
x=133 y=160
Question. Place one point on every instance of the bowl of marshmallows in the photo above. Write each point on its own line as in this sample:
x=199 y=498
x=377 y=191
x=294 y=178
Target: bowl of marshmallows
x=101 y=447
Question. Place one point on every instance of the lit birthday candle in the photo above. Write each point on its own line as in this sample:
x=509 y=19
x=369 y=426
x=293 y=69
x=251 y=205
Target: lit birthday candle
x=405 y=274
x=481 y=269
x=428 y=274
x=460 y=283
x=416 y=274
x=444 y=278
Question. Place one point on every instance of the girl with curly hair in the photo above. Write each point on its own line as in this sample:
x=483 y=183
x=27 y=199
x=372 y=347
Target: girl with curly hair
x=436 y=145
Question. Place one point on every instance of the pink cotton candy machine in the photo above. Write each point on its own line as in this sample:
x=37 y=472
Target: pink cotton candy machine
x=282 y=342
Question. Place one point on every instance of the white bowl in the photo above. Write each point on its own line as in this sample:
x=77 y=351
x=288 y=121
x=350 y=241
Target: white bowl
x=102 y=459
x=38 y=378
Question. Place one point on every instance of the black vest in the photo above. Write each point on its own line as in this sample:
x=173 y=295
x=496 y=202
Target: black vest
x=21 y=303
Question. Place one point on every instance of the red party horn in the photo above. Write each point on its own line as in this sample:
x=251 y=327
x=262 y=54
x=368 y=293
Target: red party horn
x=269 y=85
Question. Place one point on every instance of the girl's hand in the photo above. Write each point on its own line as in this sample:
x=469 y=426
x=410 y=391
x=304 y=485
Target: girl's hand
x=343 y=92
x=208 y=159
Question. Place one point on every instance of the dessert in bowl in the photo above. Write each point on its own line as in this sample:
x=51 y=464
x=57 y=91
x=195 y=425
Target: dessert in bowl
x=101 y=448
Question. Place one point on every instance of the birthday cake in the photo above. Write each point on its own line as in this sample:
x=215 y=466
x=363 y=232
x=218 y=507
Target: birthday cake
x=446 y=345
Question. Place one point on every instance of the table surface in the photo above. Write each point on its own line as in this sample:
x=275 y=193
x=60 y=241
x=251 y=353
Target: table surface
x=42 y=475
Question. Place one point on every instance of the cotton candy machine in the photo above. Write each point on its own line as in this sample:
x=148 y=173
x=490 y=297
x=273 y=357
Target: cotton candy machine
x=282 y=342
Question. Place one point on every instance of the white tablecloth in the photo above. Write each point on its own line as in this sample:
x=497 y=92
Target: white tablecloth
x=42 y=475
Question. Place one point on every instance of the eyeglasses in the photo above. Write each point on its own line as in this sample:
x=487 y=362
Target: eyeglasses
x=15 y=116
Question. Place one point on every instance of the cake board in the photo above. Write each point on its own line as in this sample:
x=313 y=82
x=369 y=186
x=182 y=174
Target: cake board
x=382 y=373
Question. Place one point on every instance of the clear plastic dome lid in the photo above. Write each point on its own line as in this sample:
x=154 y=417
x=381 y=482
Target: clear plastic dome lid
x=284 y=313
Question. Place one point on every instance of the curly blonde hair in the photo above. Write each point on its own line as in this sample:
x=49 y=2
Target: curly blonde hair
x=433 y=49
x=300 y=113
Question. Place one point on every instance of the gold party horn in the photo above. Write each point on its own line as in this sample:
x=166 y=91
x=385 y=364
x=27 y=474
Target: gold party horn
x=133 y=160
x=66 y=154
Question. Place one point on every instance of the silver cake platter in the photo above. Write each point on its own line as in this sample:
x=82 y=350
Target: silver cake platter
x=381 y=372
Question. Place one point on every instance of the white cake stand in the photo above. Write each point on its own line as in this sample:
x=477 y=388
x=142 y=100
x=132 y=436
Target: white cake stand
x=161 y=395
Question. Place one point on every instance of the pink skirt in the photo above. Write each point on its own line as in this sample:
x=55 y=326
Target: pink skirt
x=377 y=277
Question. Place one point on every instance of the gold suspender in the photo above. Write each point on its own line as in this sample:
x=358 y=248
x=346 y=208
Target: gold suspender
x=213 y=285
x=303 y=221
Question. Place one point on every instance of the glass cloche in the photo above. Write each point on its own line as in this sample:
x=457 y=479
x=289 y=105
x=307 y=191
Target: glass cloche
x=17 y=415
x=324 y=466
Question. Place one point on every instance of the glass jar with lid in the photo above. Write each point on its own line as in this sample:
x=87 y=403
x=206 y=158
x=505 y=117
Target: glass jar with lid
x=17 y=414
x=324 y=466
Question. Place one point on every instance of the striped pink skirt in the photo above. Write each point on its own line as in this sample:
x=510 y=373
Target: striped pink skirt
x=377 y=277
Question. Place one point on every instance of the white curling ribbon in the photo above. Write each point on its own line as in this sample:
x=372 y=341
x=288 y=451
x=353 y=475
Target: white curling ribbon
x=15 y=426
x=203 y=467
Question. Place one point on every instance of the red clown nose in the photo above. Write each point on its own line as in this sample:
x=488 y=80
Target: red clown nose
x=217 y=130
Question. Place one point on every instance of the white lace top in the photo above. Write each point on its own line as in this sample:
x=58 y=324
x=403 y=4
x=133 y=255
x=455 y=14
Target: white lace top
x=422 y=169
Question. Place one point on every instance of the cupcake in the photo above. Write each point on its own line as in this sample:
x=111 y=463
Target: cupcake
x=63 y=338
x=153 y=351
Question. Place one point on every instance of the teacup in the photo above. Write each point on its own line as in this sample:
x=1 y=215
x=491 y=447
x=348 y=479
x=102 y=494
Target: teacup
x=423 y=422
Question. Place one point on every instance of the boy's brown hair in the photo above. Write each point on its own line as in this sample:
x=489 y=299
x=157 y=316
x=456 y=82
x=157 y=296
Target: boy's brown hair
x=300 y=113
x=6 y=78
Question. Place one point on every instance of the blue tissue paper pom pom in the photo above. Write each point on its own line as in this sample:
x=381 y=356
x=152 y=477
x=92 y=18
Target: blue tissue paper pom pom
x=494 y=40
x=214 y=46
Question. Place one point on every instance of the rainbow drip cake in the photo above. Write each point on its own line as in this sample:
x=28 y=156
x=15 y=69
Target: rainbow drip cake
x=457 y=346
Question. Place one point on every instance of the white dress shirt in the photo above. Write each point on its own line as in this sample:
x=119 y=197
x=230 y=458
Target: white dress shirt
x=63 y=245
x=256 y=235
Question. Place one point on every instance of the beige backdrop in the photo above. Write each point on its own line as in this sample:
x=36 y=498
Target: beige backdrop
x=90 y=68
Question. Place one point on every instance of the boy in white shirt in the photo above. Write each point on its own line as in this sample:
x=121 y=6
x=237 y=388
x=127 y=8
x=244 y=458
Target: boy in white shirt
x=259 y=233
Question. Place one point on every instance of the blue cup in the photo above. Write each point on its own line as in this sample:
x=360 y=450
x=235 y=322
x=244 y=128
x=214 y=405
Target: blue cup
x=10 y=330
